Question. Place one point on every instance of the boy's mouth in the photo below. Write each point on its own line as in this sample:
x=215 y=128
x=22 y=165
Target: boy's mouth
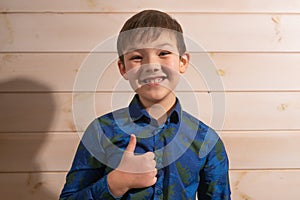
x=153 y=80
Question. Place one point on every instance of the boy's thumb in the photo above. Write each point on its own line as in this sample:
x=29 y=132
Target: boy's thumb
x=132 y=143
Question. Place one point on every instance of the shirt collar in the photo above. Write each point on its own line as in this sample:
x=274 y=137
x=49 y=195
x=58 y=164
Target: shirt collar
x=138 y=112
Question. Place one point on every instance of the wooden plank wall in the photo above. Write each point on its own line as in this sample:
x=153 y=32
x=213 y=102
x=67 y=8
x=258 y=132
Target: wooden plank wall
x=254 y=45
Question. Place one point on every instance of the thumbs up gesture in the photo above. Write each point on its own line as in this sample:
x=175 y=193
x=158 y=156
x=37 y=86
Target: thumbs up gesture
x=134 y=171
x=136 y=164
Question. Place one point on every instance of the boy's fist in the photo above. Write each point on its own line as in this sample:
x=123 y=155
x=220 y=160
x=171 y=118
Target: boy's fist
x=134 y=171
x=136 y=163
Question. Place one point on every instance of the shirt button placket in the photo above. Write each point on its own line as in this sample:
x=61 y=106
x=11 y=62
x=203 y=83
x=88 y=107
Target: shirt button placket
x=158 y=193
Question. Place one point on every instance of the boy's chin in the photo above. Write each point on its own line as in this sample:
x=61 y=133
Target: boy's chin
x=154 y=95
x=158 y=90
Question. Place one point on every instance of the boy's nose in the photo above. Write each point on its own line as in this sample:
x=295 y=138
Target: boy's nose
x=151 y=68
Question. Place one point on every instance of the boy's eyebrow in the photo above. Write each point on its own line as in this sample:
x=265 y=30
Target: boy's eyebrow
x=159 y=46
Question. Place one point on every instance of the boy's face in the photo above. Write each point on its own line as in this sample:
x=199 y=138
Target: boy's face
x=153 y=68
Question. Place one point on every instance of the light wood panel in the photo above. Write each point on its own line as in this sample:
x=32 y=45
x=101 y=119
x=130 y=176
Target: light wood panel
x=270 y=111
x=39 y=72
x=29 y=152
x=262 y=149
x=36 y=152
x=265 y=184
x=214 y=32
x=24 y=72
x=236 y=6
x=28 y=112
x=31 y=186
x=258 y=71
x=245 y=184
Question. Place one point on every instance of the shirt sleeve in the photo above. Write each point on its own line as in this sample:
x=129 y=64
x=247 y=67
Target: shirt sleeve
x=86 y=179
x=214 y=178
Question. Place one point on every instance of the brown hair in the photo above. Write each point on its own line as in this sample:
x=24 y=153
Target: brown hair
x=147 y=25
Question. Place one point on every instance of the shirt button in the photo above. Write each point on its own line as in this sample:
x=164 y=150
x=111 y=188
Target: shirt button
x=159 y=160
x=158 y=192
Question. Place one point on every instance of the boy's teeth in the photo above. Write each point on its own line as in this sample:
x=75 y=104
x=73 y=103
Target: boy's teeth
x=151 y=81
x=157 y=80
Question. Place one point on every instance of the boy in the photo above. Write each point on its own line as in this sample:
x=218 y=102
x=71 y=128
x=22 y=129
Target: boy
x=152 y=149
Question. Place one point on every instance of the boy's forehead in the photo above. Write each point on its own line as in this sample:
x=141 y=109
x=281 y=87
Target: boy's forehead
x=166 y=41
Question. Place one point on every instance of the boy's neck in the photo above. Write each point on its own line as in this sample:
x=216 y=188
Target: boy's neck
x=161 y=109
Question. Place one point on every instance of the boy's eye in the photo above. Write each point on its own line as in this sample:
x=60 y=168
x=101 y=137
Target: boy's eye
x=136 y=58
x=164 y=53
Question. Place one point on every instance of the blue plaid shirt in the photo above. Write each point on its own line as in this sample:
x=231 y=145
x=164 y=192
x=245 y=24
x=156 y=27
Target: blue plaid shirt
x=191 y=158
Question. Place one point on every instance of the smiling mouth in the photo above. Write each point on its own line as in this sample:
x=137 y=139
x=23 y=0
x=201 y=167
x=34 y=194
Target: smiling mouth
x=153 y=80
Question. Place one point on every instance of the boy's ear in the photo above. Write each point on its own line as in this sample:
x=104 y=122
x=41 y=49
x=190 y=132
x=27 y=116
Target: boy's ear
x=122 y=69
x=184 y=62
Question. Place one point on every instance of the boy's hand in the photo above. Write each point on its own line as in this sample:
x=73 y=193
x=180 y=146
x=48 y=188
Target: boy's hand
x=134 y=171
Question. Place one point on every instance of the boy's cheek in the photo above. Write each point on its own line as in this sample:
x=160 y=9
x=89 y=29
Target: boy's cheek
x=133 y=77
x=172 y=71
x=172 y=65
x=132 y=72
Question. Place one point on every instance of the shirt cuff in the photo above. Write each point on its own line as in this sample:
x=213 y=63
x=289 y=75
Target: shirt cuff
x=115 y=197
x=100 y=190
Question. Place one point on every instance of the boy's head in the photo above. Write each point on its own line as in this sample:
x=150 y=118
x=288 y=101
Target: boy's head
x=147 y=26
x=152 y=54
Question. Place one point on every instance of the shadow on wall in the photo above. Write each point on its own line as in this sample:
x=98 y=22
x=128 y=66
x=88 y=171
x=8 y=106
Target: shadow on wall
x=25 y=118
